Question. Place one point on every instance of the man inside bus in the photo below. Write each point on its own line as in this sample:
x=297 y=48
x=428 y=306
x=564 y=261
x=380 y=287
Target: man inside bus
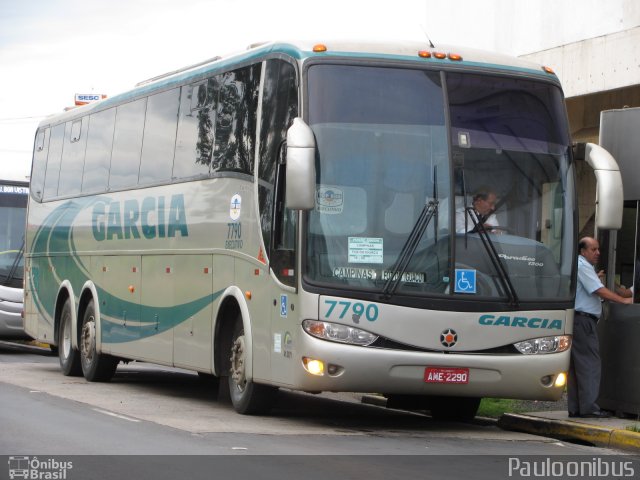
x=483 y=204
x=584 y=369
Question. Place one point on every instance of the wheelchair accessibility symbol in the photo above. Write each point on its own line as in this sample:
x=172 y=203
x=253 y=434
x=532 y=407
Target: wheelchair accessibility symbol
x=465 y=281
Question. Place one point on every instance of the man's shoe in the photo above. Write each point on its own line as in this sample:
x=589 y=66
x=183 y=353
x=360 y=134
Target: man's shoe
x=598 y=414
x=573 y=414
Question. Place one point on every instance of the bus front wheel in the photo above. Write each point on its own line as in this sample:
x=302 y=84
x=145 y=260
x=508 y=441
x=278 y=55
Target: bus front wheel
x=247 y=397
x=69 y=358
x=96 y=367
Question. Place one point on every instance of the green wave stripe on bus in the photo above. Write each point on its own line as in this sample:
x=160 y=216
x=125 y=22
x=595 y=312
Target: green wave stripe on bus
x=54 y=259
x=51 y=260
x=117 y=328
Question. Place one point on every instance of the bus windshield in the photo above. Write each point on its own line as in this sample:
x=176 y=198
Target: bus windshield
x=489 y=154
x=13 y=204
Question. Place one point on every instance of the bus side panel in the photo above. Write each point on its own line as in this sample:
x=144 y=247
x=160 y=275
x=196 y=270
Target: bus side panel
x=285 y=328
x=192 y=337
x=260 y=307
x=223 y=277
x=39 y=311
x=118 y=279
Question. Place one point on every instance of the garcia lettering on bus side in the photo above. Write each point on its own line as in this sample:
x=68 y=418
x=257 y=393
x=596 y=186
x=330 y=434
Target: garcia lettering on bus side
x=132 y=219
x=507 y=321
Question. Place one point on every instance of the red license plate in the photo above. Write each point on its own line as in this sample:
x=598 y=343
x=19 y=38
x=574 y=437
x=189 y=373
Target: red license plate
x=446 y=375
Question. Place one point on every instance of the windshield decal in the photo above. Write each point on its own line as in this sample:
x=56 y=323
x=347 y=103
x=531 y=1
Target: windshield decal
x=366 y=250
x=465 y=280
x=329 y=200
x=373 y=274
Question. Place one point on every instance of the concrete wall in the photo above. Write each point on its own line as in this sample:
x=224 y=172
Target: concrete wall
x=595 y=65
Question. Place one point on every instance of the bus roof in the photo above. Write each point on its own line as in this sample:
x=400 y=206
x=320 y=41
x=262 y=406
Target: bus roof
x=301 y=51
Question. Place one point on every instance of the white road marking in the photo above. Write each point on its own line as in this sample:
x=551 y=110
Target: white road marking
x=129 y=419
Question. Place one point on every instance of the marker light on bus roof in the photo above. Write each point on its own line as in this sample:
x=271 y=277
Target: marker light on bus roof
x=319 y=48
x=548 y=70
x=454 y=57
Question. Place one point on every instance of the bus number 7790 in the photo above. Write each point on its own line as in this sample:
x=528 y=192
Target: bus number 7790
x=369 y=310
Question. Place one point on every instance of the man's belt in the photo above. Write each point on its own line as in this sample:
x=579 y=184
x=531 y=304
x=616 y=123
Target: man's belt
x=590 y=315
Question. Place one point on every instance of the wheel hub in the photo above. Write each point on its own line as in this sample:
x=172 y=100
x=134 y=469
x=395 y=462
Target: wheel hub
x=237 y=362
x=66 y=339
x=88 y=340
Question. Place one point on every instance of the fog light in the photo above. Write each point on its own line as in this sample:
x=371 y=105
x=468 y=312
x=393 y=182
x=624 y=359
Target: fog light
x=561 y=380
x=547 y=380
x=313 y=366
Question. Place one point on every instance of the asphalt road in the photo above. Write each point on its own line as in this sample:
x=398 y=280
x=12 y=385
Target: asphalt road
x=156 y=422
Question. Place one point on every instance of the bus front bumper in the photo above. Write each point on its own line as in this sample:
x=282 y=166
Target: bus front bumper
x=349 y=368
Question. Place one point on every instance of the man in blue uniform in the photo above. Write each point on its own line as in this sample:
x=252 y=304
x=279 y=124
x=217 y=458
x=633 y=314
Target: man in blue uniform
x=584 y=370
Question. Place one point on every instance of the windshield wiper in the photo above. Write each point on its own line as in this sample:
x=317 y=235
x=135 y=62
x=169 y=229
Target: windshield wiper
x=493 y=255
x=409 y=248
x=14 y=267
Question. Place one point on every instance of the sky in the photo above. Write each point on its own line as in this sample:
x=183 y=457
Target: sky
x=51 y=50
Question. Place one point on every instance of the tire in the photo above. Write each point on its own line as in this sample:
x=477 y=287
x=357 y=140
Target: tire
x=248 y=398
x=456 y=409
x=69 y=358
x=96 y=367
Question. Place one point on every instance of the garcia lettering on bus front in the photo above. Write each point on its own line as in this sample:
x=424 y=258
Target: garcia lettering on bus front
x=132 y=219
x=508 y=321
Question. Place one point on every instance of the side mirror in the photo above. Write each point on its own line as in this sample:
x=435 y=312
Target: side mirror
x=301 y=167
x=609 y=195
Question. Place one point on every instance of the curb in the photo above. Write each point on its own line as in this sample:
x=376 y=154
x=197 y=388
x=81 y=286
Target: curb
x=376 y=400
x=380 y=401
x=568 y=430
x=31 y=346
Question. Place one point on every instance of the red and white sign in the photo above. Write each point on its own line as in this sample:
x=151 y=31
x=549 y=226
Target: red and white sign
x=86 y=98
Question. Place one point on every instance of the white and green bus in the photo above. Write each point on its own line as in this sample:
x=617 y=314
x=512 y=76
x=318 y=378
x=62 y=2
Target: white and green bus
x=13 y=212
x=285 y=218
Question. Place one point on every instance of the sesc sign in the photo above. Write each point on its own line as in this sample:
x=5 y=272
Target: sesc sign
x=85 y=98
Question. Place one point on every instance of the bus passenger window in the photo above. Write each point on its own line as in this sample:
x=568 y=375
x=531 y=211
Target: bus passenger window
x=159 y=137
x=194 y=139
x=53 y=162
x=98 y=156
x=235 y=127
x=39 y=164
x=72 y=158
x=199 y=96
x=127 y=144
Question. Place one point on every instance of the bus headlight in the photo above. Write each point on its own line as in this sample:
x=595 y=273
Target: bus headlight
x=336 y=332
x=536 y=346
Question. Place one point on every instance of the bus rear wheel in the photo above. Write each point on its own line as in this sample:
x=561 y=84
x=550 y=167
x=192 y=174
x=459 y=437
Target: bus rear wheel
x=69 y=358
x=96 y=367
x=247 y=397
x=457 y=409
